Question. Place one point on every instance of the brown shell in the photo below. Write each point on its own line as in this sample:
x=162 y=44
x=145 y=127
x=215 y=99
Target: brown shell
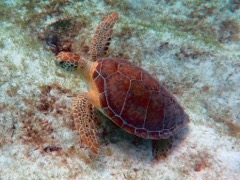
x=137 y=102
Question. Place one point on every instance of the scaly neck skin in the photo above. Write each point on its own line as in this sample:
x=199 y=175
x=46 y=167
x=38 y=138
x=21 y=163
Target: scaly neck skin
x=84 y=69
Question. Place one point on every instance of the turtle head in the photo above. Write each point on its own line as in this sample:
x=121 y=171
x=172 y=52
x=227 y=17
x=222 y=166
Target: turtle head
x=69 y=62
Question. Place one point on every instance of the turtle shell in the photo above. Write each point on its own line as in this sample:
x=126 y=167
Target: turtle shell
x=136 y=101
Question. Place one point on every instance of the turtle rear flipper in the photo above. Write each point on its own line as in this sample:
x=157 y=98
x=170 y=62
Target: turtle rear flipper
x=161 y=148
x=102 y=37
x=84 y=121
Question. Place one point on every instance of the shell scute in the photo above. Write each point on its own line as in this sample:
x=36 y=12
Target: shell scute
x=108 y=68
x=100 y=83
x=171 y=112
x=117 y=86
x=130 y=71
x=129 y=129
x=165 y=133
x=103 y=100
x=99 y=66
x=155 y=113
x=109 y=112
x=142 y=132
x=149 y=81
x=135 y=107
x=153 y=134
x=95 y=74
x=118 y=121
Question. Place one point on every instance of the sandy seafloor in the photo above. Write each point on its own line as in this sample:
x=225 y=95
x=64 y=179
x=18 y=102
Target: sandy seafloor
x=191 y=46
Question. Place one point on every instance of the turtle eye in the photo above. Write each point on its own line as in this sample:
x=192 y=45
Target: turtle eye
x=59 y=63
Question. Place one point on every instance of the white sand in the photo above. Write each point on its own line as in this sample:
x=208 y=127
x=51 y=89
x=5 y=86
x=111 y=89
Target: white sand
x=207 y=85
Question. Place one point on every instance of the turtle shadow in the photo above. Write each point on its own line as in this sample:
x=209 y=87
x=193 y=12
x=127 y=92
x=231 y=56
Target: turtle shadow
x=129 y=145
x=180 y=137
x=135 y=148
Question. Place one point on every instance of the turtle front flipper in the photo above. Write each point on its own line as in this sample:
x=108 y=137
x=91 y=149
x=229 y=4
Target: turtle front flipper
x=161 y=147
x=102 y=37
x=84 y=121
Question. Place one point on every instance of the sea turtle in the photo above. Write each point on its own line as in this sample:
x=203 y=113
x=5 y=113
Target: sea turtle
x=124 y=93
